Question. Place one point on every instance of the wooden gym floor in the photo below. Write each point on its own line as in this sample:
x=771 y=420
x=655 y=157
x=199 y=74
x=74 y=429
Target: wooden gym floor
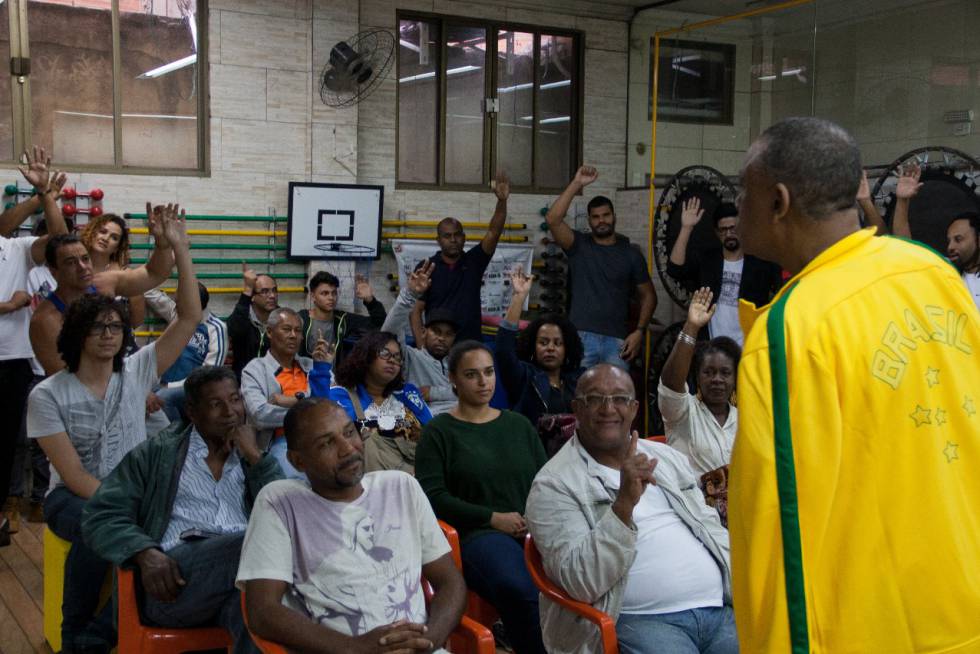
x=22 y=592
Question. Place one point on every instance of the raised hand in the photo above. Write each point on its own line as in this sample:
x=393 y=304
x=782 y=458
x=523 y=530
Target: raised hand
x=37 y=172
x=512 y=524
x=701 y=310
x=155 y=225
x=691 y=212
x=635 y=473
x=501 y=186
x=323 y=351
x=586 y=175
x=908 y=184
x=175 y=226
x=57 y=183
x=362 y=289
x=248 y=277
x=520 y=282
x=421 y=278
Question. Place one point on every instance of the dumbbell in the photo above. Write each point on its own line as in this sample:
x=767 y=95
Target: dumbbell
x=13 y=189
x=552 y=297
x=71 y=193
x=70 y=210
x=552 y=255
x=552 y=283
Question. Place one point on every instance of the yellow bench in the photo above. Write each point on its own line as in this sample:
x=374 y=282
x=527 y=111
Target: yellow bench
x=55 y=553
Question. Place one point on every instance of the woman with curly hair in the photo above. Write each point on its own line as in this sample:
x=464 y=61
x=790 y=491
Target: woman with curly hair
x=106 y=238
x=370 y=386
x=540 y=366
x=702 y=425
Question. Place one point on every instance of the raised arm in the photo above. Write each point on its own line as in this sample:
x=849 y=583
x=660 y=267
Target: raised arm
x=513 y=372
x=47 y=188
x=357 y=325
x=399 y=318
x=906 y=189
x=674 y=374
x=501 y=189
x=178 y=333
x=691 y=214
x=555 y=217
x=415 y=320
x=130 y=282
x=867 y=205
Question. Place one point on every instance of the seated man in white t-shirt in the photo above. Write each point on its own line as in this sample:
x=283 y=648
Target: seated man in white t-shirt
x=621 y=524
x=334 y=564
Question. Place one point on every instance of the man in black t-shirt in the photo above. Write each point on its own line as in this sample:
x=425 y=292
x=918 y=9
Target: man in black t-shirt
x=458 y=276
x=604 y=270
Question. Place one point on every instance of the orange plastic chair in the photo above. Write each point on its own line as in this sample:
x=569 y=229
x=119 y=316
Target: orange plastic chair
x=607 y=628
x=659 y=438
x=467 y=638
x=135 y=638
x=476 y=607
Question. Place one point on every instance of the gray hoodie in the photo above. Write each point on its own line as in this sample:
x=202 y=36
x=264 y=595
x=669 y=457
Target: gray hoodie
x=421 y=368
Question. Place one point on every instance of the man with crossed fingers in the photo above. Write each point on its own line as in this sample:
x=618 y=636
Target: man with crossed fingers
x=621 y=524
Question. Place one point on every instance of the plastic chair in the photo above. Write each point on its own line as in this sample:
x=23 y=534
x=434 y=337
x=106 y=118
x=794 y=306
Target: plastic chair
x=607 y=628
x=477 y=608
x=467 y=638
x=659 y=438
x=55 y=554
x=136 y=638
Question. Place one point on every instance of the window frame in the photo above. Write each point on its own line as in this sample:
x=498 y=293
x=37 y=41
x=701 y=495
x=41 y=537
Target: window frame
x=20 y=96
x=490 y=91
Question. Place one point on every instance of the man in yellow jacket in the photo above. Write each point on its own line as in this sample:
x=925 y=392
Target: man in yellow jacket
x=855 y=479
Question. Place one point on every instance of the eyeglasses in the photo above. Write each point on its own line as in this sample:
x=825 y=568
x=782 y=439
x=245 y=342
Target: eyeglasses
x=387 y=355
x=596 y=402
x=99 y=328
x=267 y=291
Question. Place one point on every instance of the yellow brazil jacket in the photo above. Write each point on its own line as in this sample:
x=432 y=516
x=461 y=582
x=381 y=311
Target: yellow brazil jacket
x=854 y=506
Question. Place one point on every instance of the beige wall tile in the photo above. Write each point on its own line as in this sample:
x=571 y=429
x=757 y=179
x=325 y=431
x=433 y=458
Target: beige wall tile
x=605 y=74
x=238 y=92
x=286 y=8
x=257 y=146
x=288 y=96
x=276 y=43
x=604 y=34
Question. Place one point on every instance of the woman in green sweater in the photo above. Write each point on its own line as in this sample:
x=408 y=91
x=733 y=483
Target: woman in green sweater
x=476 y=465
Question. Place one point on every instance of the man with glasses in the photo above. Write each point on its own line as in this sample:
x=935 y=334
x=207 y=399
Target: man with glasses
x=247 y=322
x=89 y=415
x=272 y=384
x=621 y=524
x=458 y=276
x=727 y=271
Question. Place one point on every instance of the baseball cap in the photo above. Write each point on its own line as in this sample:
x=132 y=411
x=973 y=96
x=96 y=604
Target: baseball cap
x=441 y=314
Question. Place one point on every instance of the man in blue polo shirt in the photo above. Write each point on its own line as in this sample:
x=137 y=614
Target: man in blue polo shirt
x=458 y=276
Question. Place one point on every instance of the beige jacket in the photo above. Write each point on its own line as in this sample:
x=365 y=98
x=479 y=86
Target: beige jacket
x=586 y=548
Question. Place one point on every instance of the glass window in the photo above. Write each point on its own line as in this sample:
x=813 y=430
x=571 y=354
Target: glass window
x=556 y=111
x=501 y=99
x=91 y=104
x=159 y=85
x=71 y=80
x=515 y=94
x=466 y=56
x=418 y=101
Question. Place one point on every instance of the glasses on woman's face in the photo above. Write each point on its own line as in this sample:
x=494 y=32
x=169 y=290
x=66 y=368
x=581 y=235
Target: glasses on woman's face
x=114 y=328
x=387 y=355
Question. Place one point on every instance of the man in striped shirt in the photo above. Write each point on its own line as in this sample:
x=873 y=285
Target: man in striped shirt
x=177 y=507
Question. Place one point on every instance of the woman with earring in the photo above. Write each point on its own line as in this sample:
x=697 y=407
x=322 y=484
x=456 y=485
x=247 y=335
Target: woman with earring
x=106 y=237
x=703 y=425
x=476 y=464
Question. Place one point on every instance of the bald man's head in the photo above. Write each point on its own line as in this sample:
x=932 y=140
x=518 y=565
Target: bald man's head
x=605 y=405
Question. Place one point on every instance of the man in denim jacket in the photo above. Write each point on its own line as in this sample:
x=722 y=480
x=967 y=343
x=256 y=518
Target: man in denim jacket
x=621 y=524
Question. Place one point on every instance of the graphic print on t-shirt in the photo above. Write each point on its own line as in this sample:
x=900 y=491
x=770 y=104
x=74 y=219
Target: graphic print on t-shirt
x=725 y=321
x=344 y=585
